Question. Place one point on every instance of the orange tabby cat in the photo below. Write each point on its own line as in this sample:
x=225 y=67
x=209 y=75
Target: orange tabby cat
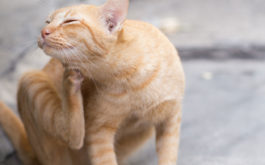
x=111 y=83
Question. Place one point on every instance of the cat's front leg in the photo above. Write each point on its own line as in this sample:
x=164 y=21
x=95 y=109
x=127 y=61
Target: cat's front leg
x=61 y=117
x=167 y=135
x=100 y=143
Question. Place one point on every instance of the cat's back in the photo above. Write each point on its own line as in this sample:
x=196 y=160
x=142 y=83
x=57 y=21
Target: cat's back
x=157 y=53
x=141 y=27
x=147 y=33
x=149 y=40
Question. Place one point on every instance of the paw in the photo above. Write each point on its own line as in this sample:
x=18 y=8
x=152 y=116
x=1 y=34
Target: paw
x=73 y=75
x=73 y=79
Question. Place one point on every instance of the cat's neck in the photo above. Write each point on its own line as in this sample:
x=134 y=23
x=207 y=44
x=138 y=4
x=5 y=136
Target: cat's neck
x=122 y=66
x=117 y=61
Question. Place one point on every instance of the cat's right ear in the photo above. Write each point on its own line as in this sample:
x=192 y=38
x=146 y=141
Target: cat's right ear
x=114 y=13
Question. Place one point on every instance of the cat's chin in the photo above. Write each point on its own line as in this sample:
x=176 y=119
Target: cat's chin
x=50 y=51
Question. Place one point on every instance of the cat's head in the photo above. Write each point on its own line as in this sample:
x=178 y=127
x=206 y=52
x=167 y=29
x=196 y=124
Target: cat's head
x=83 y=32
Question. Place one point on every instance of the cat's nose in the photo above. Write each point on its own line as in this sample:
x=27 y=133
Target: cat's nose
x=45 y=32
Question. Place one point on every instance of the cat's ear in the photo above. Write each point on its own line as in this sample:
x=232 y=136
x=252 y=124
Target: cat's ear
x=114 y=13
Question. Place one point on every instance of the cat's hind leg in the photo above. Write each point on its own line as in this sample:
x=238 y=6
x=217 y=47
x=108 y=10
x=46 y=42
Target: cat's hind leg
x=15 y=130
x=59 y=115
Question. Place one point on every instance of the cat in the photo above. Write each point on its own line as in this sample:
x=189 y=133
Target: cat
x=111 y=83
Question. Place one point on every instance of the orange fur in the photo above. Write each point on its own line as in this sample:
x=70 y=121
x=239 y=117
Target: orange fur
x=111 y=82
x=15 y=130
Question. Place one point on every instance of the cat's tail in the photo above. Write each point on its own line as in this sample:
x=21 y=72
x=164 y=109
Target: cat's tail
x=15 y=130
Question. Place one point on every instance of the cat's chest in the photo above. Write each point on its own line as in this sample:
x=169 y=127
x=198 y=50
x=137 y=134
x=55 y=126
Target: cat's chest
x=130 y=101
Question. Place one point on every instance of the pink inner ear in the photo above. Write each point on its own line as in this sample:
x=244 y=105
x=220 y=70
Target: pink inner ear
x=111 y=24
x=115 y=12
x=112 y=19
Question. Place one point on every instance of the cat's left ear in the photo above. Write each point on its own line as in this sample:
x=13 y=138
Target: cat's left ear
x=114 y=13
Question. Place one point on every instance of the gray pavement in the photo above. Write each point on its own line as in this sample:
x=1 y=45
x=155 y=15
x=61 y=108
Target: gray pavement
x=221 y=44
x=223 y=120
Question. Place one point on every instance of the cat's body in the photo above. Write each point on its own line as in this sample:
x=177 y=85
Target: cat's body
x=132 y=83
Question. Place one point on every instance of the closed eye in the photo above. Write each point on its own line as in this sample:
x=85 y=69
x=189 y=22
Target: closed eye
x=69 y=21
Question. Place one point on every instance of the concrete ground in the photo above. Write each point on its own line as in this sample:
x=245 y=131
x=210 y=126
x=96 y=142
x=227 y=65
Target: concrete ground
x=221 y=44
x=223 y=120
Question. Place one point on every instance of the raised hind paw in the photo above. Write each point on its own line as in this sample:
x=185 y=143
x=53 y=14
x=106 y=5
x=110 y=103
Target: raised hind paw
x=72 y=80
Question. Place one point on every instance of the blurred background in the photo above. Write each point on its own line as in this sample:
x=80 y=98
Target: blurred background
x=222 y=45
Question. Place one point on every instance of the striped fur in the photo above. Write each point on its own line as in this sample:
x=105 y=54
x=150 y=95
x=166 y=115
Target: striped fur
x=110 y=84
x=15 y=130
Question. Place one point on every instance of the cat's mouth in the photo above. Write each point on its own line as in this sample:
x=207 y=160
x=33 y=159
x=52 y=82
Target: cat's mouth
x=44 y=44
x=61 y=53
x=40 y=43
